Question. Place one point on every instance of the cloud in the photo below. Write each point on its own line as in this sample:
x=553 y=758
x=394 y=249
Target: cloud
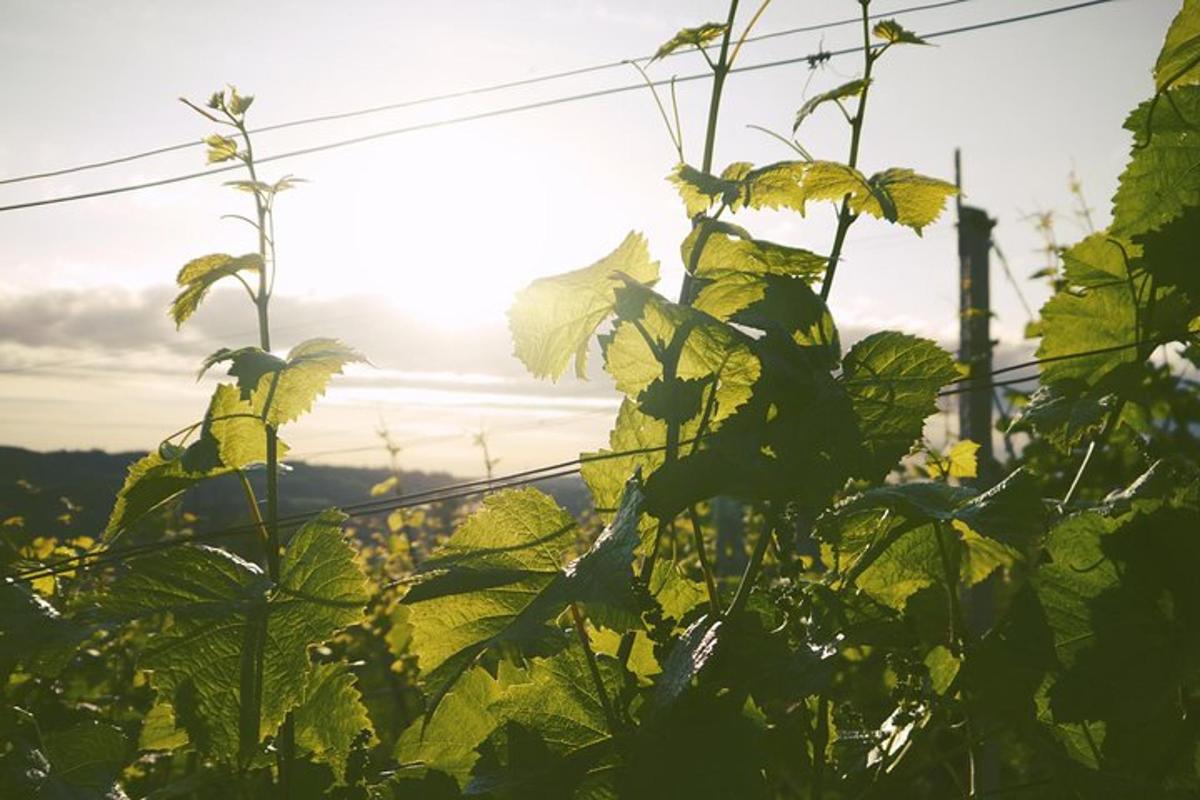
x=64 y=330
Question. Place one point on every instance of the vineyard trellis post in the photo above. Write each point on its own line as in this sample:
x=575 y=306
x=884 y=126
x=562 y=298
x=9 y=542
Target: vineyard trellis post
x=974 y=315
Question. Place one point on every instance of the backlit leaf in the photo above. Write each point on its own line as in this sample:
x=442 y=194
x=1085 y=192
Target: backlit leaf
x=1163 y=174
x=893 y=32
x=503 y=576
x=707 y=349
x=849 y=89
x=1096 y=312
x=281 y=390
x=234 y=656
x=695 y=37
x=553 y=319
x=957 y=462
x=1179 y=62
x=560 y=701
x=198 y=276
x=447 y=739
x=330 y=716
x=893 y=380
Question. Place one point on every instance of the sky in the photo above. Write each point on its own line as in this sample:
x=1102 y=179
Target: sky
x=411 y=247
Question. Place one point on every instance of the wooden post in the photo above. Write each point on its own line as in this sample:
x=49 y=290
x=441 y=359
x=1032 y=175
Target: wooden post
x=975 y=341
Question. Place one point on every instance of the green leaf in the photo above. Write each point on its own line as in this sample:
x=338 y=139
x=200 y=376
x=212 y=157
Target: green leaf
x=695 y=37
x=1179 y=62
x=895 y=194
x=560 y=701
x=554 y=318
x=239 y=104
x=1169 y=254
x=33 y=632
x=1063 y=414
x=280 y=390
x=89 y=755
x=602 y=578
x=493 y=581
x=792 y=184
x=447 y=739
x=220 y=148
x=502 y=576
x=688 y=658
x=707 y=349
x=232 y=437
x=331 y=715
x=958 y=461
x=1163 y=174
x=904 y=197
x=886 y=540
x=943 y=668
x=1096 y=311
x=893 y=380
x=699 y=190
x=634 y=431
x=729 y=250
x=199 y=275
x=893 y=32
x=852 y=88
x=234 y=657
x=159 y=730
x=1121 y=597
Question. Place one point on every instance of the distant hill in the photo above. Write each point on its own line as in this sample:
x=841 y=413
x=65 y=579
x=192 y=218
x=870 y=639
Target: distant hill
x=32 y=485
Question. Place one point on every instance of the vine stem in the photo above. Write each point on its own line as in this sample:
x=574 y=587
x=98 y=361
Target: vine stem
x=820 y=741
x=1101 y=438
x=287 y=735
x=714 y=597
x=594 y=667
x=671 y=359
x=752 y=567
x=845 y=216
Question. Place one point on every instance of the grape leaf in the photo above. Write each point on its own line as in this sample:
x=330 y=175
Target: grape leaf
x=1096 y=311
x=35 y=633
x=87 y=756
x=688 y=658
x=159 y=731
x=729 y=250
x=281 y=390
x=849 y=89
x=232 y=437
x=234 y=658
x=1063 y=414
x=560 y=701
x=330 y=716
x=1122 y=602
x=1179 y=61
x=957 y=462
x=893 y=380
x=220 y=148
x=1172 y=253
x=895 y=194
x=696 y=37
x=633 y=432
x=902 y=196
x=501 y=577
x=554 y=318
x=446 y=740
x=649 y=326
x=1163 y=174
x=893 y=32
x=699 y=190
x=199 y=275
x=886 y=540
